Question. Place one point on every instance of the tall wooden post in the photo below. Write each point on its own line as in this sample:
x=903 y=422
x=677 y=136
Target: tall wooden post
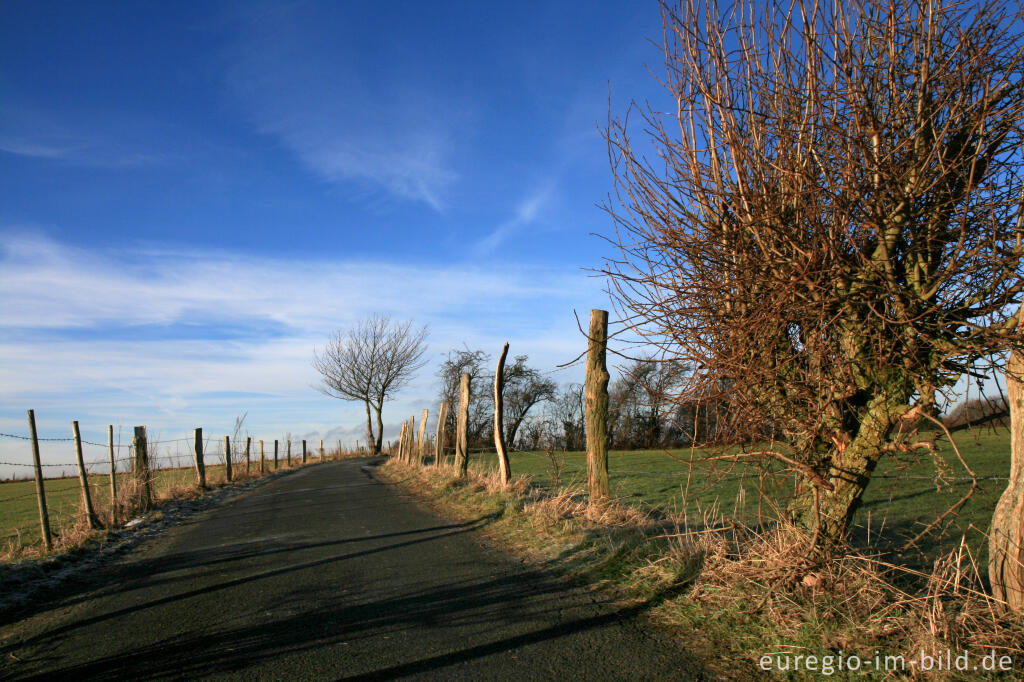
x=113 y=474
x=227 y=458
x=44 y=517
x=597 y=408
x=140 y=468
x=321 y=449
x=275 y=454
x=419 y=441
x=303 y=452
x=401 y=441
x=248 y=448
x=197 y=440
x=461 y=450
x=410 y=426
x=504 y=470
x=442 y=416
x=289 y=446
x=87 y=510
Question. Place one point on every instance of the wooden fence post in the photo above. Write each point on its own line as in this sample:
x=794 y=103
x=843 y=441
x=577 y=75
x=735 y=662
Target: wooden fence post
x=113 y=474
x=461 y=451
x=303 y=451
x=419 y=442
x=275 y=454
x=90 y=514
x=140 y=467
x=442 y=416
x=411 y=440
x=248 y=448
x=44 y=517
x=227 y=458
x=597 y=407
x=262 y=457
x=197 y=439
x=401 y=441
x=321 y=449
x=504 y=470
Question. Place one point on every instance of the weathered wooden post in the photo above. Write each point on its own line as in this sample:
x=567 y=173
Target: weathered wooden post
x=423 y=430
x=401 y=441
x=44 y=517
x=504 y=470
x=197 y=440
x=113 y=474
x=289 y=446
x=90 y=514
x=442 y=416
x=461 y=450
x=263 y=458
x=140 y=468
x=227 y=458
x=411 y=440
x=597 y=408
x=248 y=447
x=321 y=449
x=275 y=454
x=303 y=451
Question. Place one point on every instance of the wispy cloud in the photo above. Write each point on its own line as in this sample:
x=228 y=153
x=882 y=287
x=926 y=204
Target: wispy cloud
x=527 y=212
x=350 y=127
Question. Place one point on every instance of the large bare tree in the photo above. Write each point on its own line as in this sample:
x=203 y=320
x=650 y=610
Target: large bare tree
x=823 y=225
x=525 y=387
x=370 y=363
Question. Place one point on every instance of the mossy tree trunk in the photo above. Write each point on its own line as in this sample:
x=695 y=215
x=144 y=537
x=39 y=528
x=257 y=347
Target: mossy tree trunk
x=826 y=506
x=1006 y=535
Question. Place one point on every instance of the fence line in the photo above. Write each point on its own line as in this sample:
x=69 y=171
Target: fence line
x=141 y=464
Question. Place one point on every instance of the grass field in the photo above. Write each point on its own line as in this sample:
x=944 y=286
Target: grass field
x=19 y=511
x=903 y=497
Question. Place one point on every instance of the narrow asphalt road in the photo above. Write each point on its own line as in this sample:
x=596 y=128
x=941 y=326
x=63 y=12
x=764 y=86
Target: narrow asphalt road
x=327 y=573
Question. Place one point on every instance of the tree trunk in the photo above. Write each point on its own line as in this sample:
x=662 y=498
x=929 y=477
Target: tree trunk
x=1006 y=535
x=380 y=429
x=461 y=452
x=369 y=424
x=504 y=470
x=597 y=407
x=827 y=513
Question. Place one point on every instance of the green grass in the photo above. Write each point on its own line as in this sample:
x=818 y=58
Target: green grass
x=19 y=511
x=903 y=497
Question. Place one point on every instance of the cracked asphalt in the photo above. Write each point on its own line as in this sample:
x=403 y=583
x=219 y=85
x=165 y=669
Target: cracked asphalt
x=328 y=573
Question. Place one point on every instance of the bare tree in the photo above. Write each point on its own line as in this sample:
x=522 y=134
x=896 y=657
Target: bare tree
x=481 y=400
x=370 y=363
x=567 y=416
x=828 y=237
x=525 y=387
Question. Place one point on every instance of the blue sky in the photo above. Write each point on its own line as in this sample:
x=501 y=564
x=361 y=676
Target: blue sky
x=193 y=195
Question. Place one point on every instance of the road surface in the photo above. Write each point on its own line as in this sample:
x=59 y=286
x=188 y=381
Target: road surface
x=328 y=573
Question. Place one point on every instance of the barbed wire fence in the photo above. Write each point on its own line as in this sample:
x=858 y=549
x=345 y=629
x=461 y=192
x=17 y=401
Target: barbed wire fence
x=134 y=467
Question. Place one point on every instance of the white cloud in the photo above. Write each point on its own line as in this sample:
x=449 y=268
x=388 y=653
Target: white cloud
x=87 y=335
